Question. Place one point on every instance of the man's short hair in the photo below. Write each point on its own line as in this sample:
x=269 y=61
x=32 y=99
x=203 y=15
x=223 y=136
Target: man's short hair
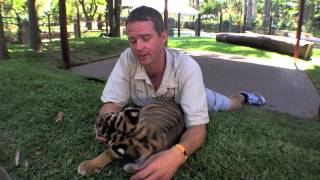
x=144 y=13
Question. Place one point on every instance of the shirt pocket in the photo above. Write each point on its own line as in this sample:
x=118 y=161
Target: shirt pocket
x=140 y=93
x=170 y=94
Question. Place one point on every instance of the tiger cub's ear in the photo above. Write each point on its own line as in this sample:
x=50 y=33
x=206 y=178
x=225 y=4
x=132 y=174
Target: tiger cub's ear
x=132 y=115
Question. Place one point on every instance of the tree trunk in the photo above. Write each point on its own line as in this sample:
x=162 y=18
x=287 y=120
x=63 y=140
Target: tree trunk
x=89 y=14
x=3 y=43
x=283 y=45
x=198 y=25
x=165 y=15
x=20 y=31
x=89 y=24
x=117 y=12
x=249 y=15
x=240 y=20
x=220 y=21
x=297 y=48
x=111 y=17
x=197 y=5
x=49 y=28
x=35 y=38
x=254 y=8
x=165 y=19
x=99 y=22
x=276 y=13
x=106 y=19
x=64 y=34
x=77 y=32
x=245 y=16
x=179 y=24
x=266 y=13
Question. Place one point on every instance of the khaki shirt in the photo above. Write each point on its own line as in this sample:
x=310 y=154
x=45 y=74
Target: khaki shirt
x=182 y=82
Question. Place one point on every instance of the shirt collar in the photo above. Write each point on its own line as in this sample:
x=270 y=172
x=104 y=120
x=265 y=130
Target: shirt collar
x=168 y=77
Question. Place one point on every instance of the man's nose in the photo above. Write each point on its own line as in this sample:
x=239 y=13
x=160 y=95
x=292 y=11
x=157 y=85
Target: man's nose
x=139 y=45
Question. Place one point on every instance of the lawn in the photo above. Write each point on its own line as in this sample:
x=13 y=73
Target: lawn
x=82 y=50
x=253 y=143
x=250 y=144
x=210 y=44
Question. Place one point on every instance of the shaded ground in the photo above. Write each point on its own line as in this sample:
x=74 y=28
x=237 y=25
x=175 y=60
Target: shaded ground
x=286 y=88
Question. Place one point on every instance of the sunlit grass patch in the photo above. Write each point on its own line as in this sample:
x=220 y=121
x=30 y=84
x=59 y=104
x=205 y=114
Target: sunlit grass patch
x=210 y=44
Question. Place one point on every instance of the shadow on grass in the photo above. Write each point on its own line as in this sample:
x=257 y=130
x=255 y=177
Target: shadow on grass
x=82 y=50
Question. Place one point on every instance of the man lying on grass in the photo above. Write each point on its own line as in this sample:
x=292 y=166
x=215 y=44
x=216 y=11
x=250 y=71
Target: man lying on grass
x=147 y=71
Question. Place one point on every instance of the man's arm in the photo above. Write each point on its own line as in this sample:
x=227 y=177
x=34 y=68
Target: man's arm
x=193 y=138
x=164 y=165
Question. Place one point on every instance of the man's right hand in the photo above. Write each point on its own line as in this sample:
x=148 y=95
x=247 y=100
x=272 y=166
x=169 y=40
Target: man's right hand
x=101 y=139
x=107 y=108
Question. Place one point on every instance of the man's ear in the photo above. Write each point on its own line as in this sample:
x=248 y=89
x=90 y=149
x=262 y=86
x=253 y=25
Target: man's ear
x=164 y=36
x=132 y=115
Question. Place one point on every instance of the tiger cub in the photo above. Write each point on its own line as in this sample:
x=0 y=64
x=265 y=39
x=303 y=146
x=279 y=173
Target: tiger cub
x=136 y=134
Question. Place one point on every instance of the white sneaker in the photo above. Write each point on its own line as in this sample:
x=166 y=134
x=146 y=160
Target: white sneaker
x=253 y=98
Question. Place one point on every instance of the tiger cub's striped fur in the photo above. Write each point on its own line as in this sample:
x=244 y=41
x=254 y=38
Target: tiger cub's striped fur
x=137 y=133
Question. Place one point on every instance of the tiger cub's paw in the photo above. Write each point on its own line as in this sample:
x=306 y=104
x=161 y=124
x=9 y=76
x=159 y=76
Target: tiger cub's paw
x=87 y=168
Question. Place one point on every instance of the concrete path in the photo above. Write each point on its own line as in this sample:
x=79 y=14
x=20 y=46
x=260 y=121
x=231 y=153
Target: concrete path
x=286 y=88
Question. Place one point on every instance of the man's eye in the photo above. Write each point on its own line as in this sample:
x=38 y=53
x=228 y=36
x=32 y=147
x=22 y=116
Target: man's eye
x=132 y=41
x=146 y=38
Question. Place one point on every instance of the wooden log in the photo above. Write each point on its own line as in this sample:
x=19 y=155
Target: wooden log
x=283 y=45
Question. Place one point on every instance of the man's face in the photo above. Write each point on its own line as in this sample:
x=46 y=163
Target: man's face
x=145 y=42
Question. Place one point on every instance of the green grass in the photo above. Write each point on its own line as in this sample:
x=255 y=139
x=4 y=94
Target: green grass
x=82 y=50
x=314 y=72
x=316 y=53
x=250 y=144
x=254 y=143
x=210 y=44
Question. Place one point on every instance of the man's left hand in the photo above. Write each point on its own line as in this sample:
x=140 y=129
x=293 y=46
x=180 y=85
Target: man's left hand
x=162 y=165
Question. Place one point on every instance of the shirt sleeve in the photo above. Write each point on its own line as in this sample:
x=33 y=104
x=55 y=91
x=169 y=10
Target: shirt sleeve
x=193 y=97
x=117 y=88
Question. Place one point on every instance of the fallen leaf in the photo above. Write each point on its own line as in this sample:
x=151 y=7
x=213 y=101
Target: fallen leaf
x=59 y=117
x=17 y=157
x=38 y=153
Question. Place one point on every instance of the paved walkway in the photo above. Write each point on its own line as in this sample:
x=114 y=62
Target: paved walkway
x=286 y=88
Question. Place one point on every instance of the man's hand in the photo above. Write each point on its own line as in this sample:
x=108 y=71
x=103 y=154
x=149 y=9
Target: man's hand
x=101 y=139
x=162 y=165
x=107 y=108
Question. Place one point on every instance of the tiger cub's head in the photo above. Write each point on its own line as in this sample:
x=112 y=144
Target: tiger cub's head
x=110 y=125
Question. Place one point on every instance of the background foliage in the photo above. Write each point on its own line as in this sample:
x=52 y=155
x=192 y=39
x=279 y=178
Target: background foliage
x=285 y=12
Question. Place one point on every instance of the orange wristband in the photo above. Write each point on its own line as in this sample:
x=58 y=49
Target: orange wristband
x=182 y=149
